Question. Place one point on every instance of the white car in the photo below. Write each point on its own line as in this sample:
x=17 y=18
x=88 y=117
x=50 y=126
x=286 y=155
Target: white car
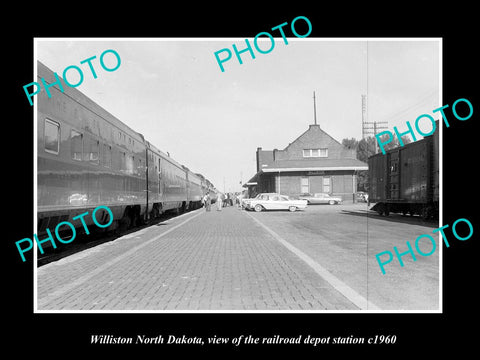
x=321 y=198
x=274 y=201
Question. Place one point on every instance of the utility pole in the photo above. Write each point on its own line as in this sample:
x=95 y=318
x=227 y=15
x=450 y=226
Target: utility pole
x=367 y=125
x=314 y=110
x=377 y=125
x=364 y=114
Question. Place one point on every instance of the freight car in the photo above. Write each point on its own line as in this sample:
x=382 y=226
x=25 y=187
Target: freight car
x=406 y=179
x=86 y=158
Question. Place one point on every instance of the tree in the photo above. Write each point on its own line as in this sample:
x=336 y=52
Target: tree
x=350 y=143
x=394 y=143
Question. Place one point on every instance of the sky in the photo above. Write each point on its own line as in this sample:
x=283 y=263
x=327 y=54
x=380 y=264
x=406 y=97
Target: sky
x=173 y=92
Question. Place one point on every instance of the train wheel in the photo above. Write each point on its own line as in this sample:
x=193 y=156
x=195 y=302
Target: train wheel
x=155 y=213
x=379 y=208
x=126 y=220
x=136 y=218
x=425 y=213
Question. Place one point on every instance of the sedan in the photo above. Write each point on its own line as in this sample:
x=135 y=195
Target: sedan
x=321 y=198
x=274 y=201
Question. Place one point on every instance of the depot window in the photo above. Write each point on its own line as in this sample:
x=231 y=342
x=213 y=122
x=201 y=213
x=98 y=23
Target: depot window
x=304 y=185
x=52 y=136
x=322 y=152
x=326 y=185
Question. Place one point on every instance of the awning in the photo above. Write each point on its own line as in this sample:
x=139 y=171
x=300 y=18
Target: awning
x=318 y=168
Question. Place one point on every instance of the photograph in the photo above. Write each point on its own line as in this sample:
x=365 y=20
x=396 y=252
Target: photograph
x=275 y=184
x=237 y=182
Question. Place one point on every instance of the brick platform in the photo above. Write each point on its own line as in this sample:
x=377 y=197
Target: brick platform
x=218 y=260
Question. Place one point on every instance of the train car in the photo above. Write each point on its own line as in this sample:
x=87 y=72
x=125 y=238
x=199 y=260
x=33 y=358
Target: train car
x=194 y=190
x=85 y=158
x=88 y=158
x=406 y=179
x=167 y=187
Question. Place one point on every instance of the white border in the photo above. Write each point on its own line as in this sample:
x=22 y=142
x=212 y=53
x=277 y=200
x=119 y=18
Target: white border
x=35 y=169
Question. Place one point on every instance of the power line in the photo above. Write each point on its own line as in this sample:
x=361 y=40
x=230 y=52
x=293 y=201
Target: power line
x=423 y=100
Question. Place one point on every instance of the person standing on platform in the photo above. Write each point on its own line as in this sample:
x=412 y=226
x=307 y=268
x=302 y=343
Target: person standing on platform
x=207 y=201
x=219 y=202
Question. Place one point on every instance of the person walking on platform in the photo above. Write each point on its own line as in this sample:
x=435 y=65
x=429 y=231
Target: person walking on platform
x=207 y=201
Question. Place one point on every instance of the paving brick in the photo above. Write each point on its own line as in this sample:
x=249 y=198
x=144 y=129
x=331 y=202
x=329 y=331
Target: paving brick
x=216 y=261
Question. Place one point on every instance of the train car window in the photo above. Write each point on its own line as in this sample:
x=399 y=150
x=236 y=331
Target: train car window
x=107 y=156
x=123 y=163
x=52 y=136
x=92 y=151
x=76 y=145
x=129 y=164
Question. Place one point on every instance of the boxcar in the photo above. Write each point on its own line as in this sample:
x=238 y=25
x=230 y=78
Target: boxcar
x=406 y=179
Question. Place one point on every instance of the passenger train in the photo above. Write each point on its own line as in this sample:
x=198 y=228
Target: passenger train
x=87 y=158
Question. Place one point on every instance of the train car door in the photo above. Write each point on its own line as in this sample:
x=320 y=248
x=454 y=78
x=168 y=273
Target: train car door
x=393 y=178
x=161 y=181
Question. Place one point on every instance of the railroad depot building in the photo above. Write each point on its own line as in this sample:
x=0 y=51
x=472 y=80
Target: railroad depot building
x=313 y=163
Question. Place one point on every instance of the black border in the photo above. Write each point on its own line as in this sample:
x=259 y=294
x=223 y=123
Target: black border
x=56 y=334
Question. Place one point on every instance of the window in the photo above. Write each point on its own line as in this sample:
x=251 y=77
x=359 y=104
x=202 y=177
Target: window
x=304 y=185
x=315 y=152
x=123 y=161
x=130 y=162
x=92 y=150
x=323 y=152
x=107 y=155
x=76 y=145
x=326 y=185
x=52 y=136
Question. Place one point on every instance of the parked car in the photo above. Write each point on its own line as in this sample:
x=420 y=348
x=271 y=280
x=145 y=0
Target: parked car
x=246 y=201
x=320 y=198
x=274 y=201
x=361 y=196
